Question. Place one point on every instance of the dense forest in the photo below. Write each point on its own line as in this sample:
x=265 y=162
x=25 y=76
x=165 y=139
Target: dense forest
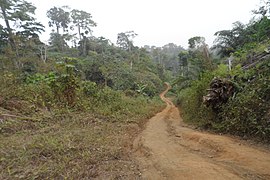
x=226 y=88
x=69 y=106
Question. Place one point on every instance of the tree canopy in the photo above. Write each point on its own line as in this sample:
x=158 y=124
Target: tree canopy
x=20 y=22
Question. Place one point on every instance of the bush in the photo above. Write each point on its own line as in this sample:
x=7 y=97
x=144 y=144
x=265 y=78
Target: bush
x=245 y=114
x=190 y=100
x=248 y=113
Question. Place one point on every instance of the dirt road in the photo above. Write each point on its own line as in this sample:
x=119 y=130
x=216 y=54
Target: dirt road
x=168 y=149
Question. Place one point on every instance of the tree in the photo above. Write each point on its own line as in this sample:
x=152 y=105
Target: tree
x=169 y=57
x=19 y=13
x=258 y=30
x=263 y=10
x=58 y=18
x=243 y=36
x=83 y=21
x=58 y=41
x=3 y=38
x=199 y=50
x=183 y=62
x=228 y=41
x=84 y=46
x=20 y=24
x=196 y=42
x=125 y=40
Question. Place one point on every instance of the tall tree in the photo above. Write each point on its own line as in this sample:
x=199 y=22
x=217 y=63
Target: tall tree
x=183 y=62
x=20 y=24
x=83 y=21
x=3 y=37
x=199 y=54
x=125 y=40
x=20 y=29
x=264 y=9
x=196 y=42
x=58 y=42
x=59 y=18
x=228 y=41
x=170 y=59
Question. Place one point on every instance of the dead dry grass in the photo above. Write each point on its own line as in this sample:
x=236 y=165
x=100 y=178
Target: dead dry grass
x=69 y=146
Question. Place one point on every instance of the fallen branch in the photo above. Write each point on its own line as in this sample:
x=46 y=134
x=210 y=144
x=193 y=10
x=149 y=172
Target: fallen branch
x=254 y=60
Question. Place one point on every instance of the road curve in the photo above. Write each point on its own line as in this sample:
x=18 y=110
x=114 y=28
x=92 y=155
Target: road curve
x=168 y=149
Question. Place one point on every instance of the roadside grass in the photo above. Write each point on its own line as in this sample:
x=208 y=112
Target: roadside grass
x=73 y=145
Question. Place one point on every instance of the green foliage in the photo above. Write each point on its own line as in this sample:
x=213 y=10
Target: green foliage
x=190 y=100
x=228 y=41
x=69 y=114
x=242 y=37
x=67 y=108
x=83 y=21
x=58 y=42
x=19 y=13
x=245 y=114
x=90 y=88
x=64 y=88
x=125 y=40
x=62 y=84
x=248 y=113
x=196 y=42
x=75 y=145
x=59 y=18
x=38 y=78
x=114 y=104
x=166 y=59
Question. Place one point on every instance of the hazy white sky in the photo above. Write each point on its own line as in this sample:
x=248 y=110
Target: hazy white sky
x=157 y=22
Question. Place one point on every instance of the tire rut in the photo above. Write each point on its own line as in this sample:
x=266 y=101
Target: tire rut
x=168 y=149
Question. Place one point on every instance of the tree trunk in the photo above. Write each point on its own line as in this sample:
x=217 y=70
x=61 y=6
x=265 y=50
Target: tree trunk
x=57 y=29
x=207 y=57
x=41 y=53
x=10 y=35
x=45 y=53
x=79 y=30
x=84 y=41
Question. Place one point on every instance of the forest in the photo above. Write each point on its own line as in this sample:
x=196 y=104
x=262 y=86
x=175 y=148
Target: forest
x=71 y=107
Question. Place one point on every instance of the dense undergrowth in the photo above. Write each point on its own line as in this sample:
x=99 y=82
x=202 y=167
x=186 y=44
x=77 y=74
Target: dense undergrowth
x=55 y=123
x=57 y=126
x=245 y=114
x=226 y=88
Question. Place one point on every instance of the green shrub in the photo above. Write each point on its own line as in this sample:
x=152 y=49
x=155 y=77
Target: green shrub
x=190 y=100
x=245 y=114
x=89 y=88
x=248 y=113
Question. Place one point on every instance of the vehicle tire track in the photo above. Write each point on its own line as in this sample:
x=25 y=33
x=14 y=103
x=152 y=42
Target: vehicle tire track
x=168 y=149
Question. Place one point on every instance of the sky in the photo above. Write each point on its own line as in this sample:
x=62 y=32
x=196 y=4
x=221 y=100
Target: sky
x=157 y=22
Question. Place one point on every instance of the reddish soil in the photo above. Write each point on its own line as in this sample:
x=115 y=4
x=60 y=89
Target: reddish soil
x=168 y=149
